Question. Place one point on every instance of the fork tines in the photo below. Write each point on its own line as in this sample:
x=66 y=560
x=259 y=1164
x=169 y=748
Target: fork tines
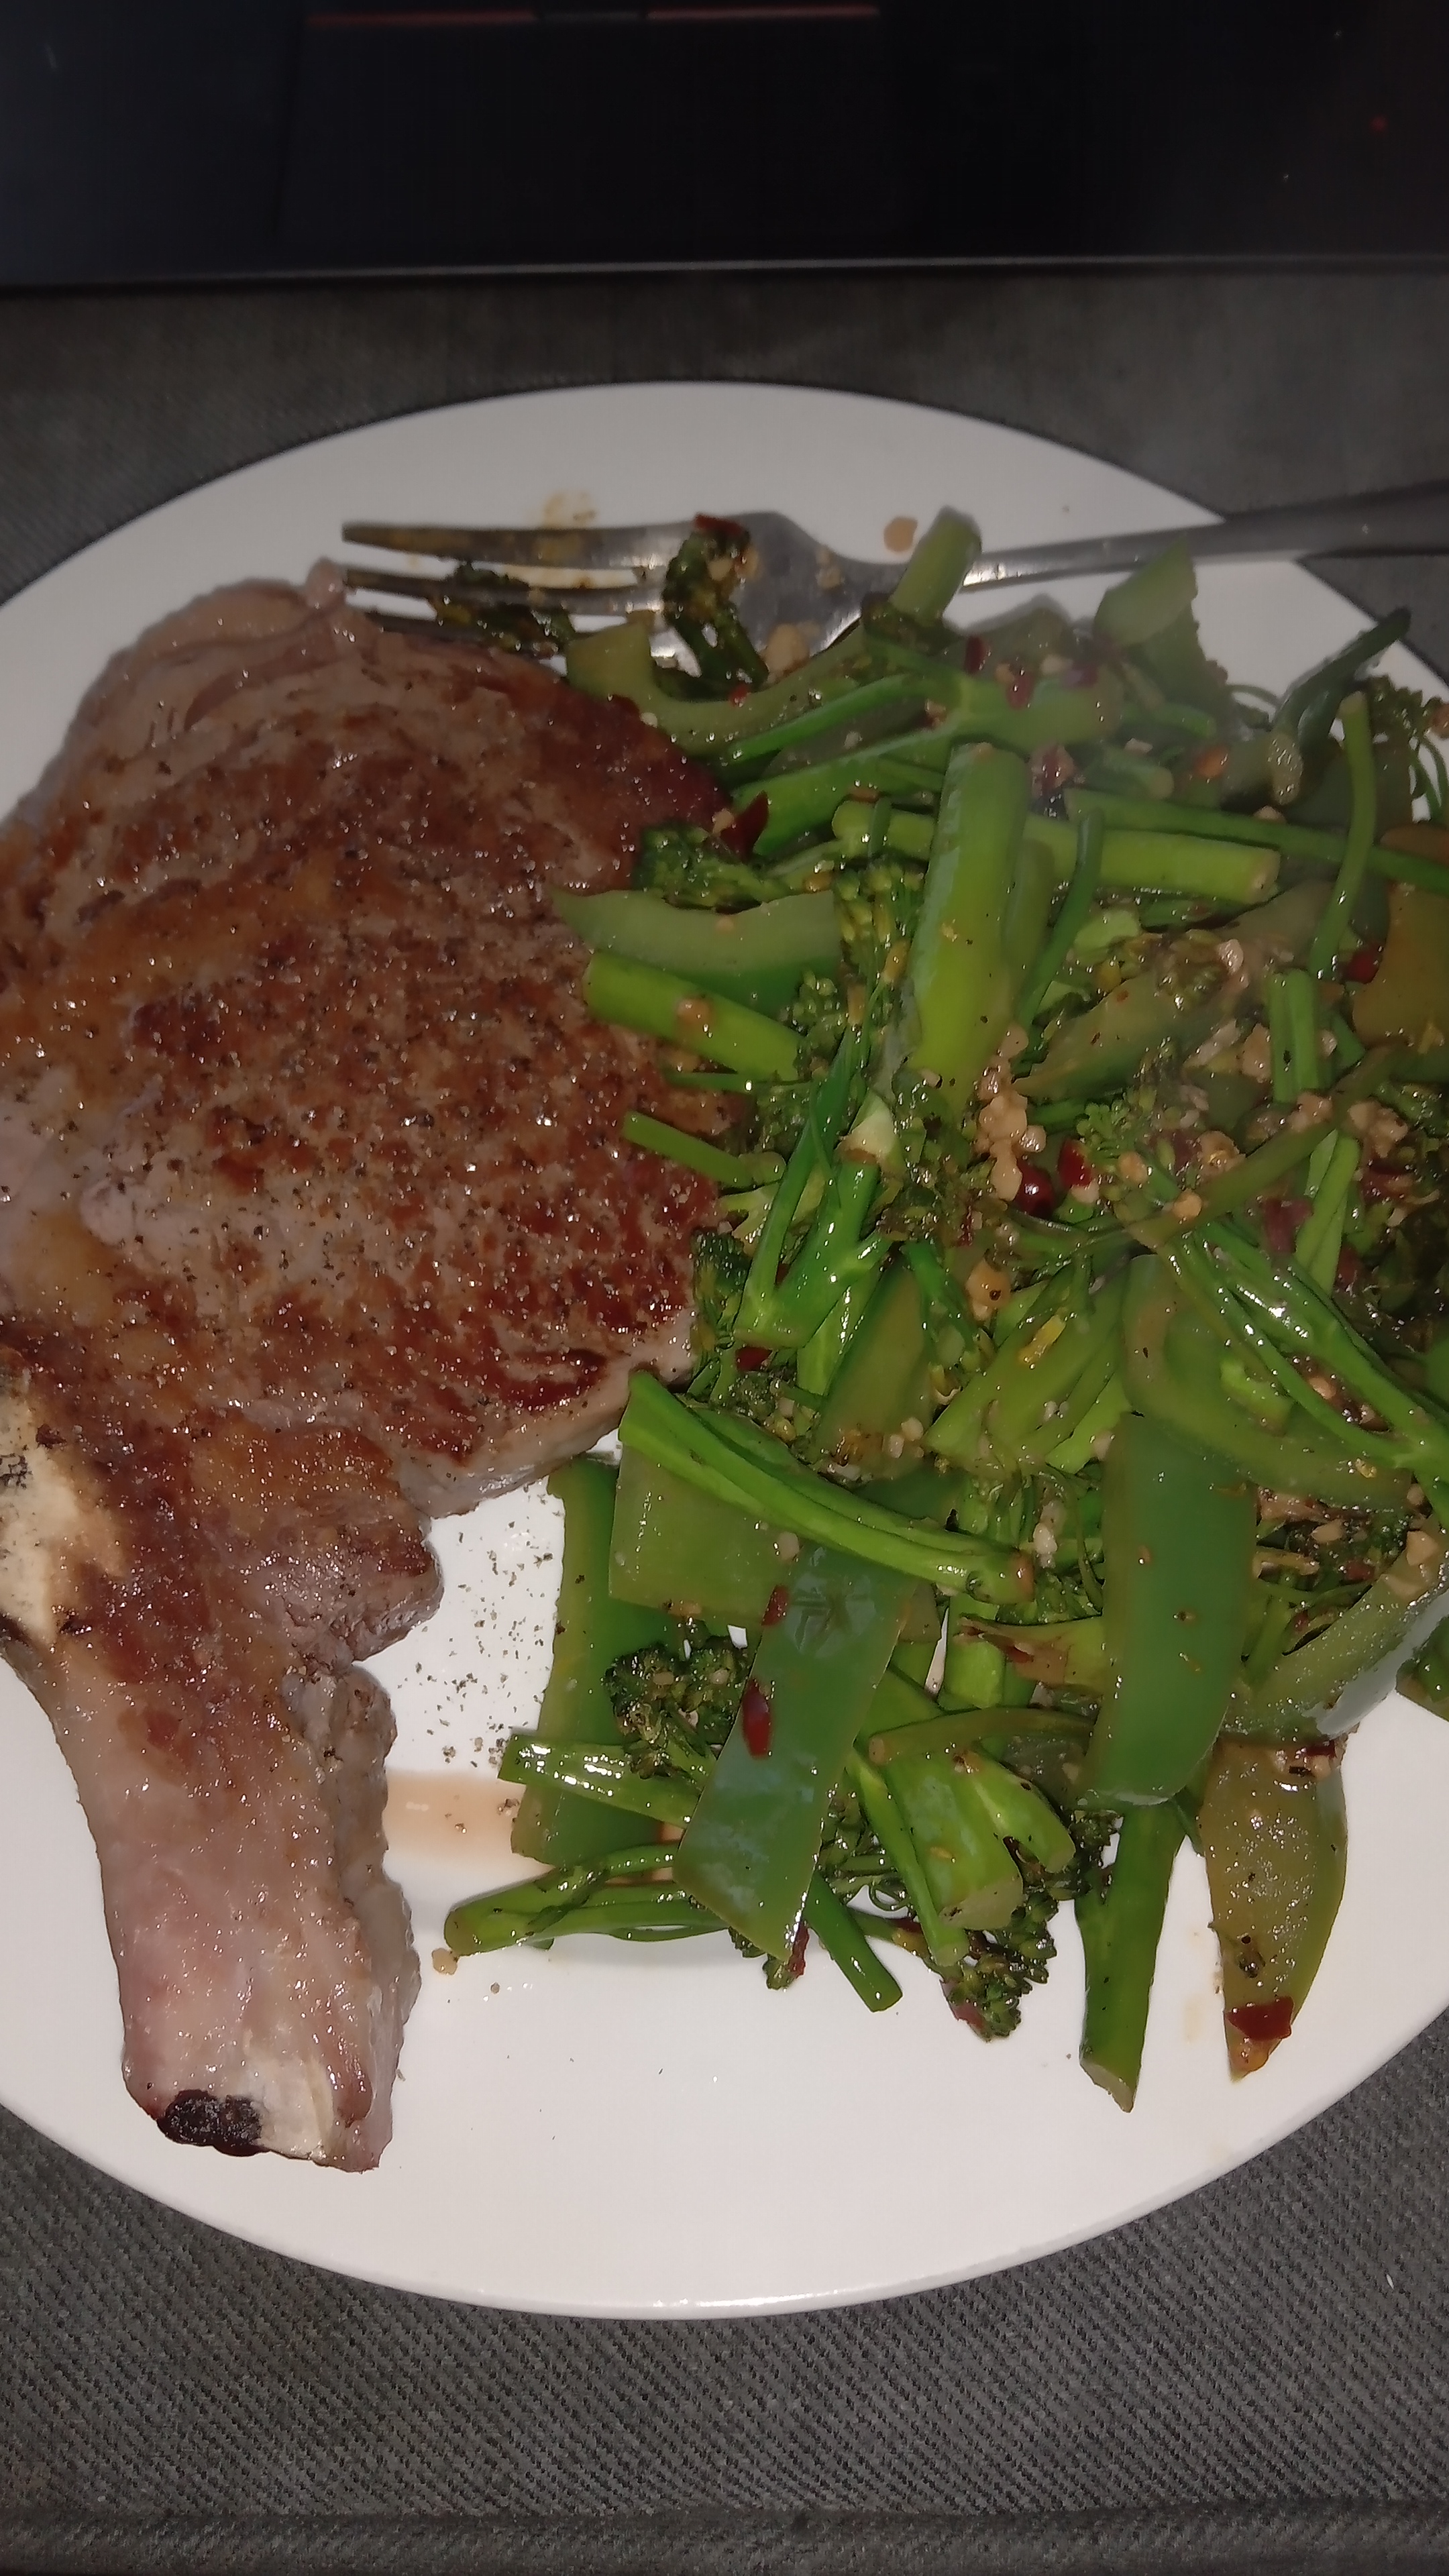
x=585 y=597
x=526 y=550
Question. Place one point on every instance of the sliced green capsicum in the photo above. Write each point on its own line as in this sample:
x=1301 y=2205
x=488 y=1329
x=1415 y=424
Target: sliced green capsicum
x=1179 y=1526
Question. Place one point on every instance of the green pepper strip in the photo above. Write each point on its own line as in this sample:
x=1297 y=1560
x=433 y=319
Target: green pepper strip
x=1120 y=1932
x=676 y=1145
x=1292 y=1000
x=839 y=1931
x=676 y=1549
x=960 y=978
x=1081 y=891
x=1179 y=1526
x=749 y=1849
x=592 y=1771
x=591 y=1631
x=1335 y=930
x=742 y=1465
x=1274 y=1836
x=1210 y=823
x=633 y=996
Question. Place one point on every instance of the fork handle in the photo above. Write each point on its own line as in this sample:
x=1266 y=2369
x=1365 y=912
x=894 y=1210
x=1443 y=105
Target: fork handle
x=1411 y=521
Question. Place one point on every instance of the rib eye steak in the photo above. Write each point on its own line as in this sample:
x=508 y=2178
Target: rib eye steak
x=314 y=1221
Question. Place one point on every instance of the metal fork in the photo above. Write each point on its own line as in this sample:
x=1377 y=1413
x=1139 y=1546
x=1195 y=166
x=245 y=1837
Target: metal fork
x=792 y=580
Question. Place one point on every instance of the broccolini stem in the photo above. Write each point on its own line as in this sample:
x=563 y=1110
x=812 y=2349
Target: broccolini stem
x=1293 y=1033
x=831 y=1259
x=939 y=564
x=945 y=1949
x=1210 y=823
x=856 y=706
x=838 y=1931
x=1166 y=863
x=723 y=1456
x=1233 y=1189
x=1309 y=1682
x=633 y=996
x=1120 y=1933
x=509 y=1914
x=594 y=1771
x=675 y=1145
x=1335 y=927
x=1086 y=876
x=1308 y=1321
x=960 y=976
x=822 y=1131
x=1320 y=1237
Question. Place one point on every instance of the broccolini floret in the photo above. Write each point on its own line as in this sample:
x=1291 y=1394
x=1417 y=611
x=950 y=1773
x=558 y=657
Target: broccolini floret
x=698 y=605
x=688 y=1695
x=688 y=866
x=1003 y=1966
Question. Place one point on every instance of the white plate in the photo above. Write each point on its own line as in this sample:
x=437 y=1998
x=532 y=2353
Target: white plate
x=593 y=2130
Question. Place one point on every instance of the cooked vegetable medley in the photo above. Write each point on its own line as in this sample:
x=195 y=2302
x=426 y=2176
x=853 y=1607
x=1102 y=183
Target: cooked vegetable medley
x=1070 y=1423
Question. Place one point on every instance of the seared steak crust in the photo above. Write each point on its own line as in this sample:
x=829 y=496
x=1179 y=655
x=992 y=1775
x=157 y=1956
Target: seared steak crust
x=315 y=1220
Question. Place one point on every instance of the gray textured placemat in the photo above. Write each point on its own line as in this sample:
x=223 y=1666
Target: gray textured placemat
x=1256 y=2378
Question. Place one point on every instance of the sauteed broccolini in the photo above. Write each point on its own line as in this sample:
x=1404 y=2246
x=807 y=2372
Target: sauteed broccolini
x=1070 y=1420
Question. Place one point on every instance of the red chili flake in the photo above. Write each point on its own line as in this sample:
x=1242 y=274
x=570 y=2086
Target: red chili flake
x=1358 y=1570
x=758 y=1720
x=745 y=830
x=1183 y=1149
x=753 y=1356
x=1018 y=683
x=1349 y=1270
x=1037 y=1193
x=740 y=692
x=776 y=1606
x=1281 y=1221
x=1378 y=1182
x=795 y=1964
x=1363 y=965
x=1264 y=2021
x=1321 y=1748
x=708 y=527
x=977 y=653
x=1074 y=1171
x=1051 y=767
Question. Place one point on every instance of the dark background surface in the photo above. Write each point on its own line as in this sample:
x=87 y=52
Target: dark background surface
x=1258 y=2378
x=147 y=138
